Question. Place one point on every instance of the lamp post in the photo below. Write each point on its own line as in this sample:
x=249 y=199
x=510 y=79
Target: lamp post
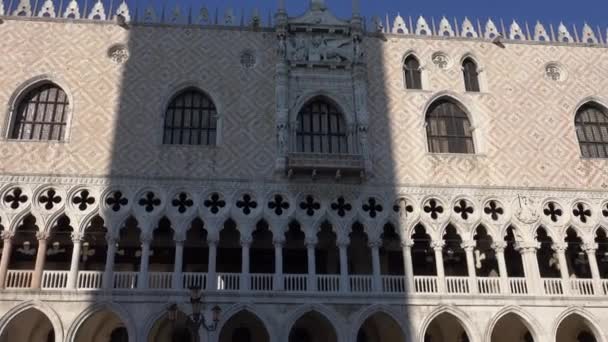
x=197 y=318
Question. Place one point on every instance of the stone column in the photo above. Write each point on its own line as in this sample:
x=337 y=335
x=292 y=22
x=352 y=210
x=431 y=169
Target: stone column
x=312 y=277
x=40 y=259
x=211 y=273
x=245 y=277
x=343 y=243
x=469 y=246
x=408 y=266
x=531 y=270
x=279 y=284
x=7 y=238
x=560 y=250
x=178 y=284
x=438 y=248
x=377 y=277
x=145 y=261
x=499 y=250
x=590 y=249
x=108 y=274
x=74 y=265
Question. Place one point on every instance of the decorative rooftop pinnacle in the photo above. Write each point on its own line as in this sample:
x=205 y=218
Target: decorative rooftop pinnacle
x=317 y=5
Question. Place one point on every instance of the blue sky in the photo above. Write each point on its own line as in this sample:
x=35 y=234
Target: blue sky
x=571 y=12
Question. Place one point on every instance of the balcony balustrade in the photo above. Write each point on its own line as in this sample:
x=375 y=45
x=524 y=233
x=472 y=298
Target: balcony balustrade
x=518 y=286
x=488 y=286
x=320 y=283
x=55 y=280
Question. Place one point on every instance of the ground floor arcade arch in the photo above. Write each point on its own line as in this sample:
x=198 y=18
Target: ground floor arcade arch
x=30 y=325
x=380 y=327
x=244 y=326
x=312 y=327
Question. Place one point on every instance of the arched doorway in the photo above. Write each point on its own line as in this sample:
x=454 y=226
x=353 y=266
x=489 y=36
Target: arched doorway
x=575 y=328
x=312 y=327
x=380 y=327
x=511 y=328
x=445 y=328
x=244 y=327
x=178 y=330
x=20 y=328
x=101 y=325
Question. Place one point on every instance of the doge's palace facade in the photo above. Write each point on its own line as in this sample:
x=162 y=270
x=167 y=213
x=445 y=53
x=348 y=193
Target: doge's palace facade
x=319 y=179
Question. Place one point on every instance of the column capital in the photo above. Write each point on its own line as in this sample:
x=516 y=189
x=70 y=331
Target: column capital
x=146 y=238
x=559 y=247
x=499 y=246
x=111 y=239
x=438 y=245
x=407 y=243
x=343 y=241
x=246 y=240
x=468 y=246
x=42 y=235
x=211 y=241
x=589 y=247
x=527 y=247
x=375 y=244
x=311 y=241
x=77 y=237
x=7 y=235
x=278 y=241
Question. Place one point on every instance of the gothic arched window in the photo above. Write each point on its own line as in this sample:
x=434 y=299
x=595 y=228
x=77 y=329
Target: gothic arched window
x=448 y=128
x=471 y=75
x=41 y=114
x=412 y=73
x=190 y=119
x=321 y=128
x=591 y=124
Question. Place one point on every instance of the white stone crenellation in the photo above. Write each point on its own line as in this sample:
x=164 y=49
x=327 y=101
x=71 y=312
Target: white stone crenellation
x=399 y=25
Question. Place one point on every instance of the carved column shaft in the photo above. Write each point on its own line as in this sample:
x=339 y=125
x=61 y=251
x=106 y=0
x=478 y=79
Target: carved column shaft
x=438 y=248
x=40 y=260
x=179 y=264
x=144 y=264
x=278 y=265
x=74 y=265
x=310 y=253
x=499 y=249
x=344 y=283
x=4 y=260
x=468 y=248
x=108 y=274
x=211 y=270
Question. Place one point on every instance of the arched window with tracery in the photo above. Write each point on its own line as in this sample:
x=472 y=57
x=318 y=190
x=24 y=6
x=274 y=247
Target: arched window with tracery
x=471 y=75
x=321 y=128
x=412 y=73
x=41 y=114
x=591 y=124
x=190 y=119
x=448 y=128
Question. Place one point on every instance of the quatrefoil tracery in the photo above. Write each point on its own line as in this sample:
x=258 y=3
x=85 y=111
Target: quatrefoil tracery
x=433 y=208
x=83 y=199
x=49 y=199
x=553 y=211
x=582 y=212
x=247 y=204
x=278 y=204
x=116 y=201
x=182 y=202
x=15 y=198
x=463 y=209
x=493 y=210
x=341 y=207
x=215 y=203
x=309 y=205
x=149 y=201
x=372 y=207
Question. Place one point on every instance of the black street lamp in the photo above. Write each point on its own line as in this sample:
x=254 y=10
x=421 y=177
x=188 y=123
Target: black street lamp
x=197 y=319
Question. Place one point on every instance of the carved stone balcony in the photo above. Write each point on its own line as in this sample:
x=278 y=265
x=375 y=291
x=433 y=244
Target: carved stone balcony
x=319 y=164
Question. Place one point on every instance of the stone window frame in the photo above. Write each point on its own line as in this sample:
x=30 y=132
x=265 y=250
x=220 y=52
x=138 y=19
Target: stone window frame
x=174 y=90
x=23 y=90
x=598 y=103
x=473 y=115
